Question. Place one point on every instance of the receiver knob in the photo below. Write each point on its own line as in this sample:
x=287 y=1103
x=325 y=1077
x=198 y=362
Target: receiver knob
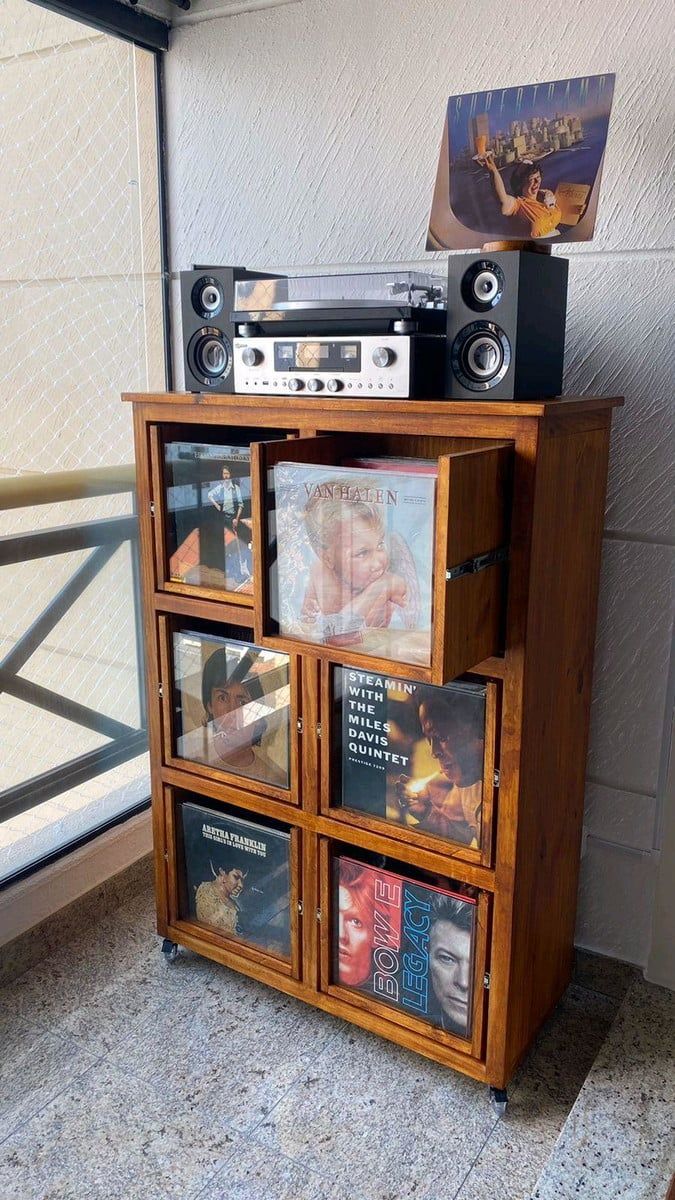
x=295 y=384
x=251 y=357
x=315 y=385
x=334 y=385
x=383 y=356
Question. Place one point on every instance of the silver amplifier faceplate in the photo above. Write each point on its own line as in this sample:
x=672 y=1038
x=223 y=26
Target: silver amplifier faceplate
x=339 y=365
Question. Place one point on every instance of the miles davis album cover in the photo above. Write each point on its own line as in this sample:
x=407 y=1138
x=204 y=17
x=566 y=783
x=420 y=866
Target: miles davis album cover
x=411 y=753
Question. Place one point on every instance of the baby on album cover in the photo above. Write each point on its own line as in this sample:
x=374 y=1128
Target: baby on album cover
x=354 y=558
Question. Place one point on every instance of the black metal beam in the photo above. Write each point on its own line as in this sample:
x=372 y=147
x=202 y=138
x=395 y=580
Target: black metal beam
x=64 y=539
x=56 y=609
x=62 y=706
x=111 y=16
x=60 y=779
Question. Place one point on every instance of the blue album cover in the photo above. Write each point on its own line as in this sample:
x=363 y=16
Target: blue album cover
x=521 y=163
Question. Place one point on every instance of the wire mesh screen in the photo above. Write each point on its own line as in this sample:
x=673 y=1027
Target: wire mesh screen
x=80 y=322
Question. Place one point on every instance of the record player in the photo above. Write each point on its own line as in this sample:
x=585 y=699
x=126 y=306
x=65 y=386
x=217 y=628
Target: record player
x=368 y=334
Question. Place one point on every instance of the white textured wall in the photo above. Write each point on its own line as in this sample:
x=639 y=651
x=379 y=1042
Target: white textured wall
x=308 y=133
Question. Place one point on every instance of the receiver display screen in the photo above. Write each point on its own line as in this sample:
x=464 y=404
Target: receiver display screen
x=317 y=356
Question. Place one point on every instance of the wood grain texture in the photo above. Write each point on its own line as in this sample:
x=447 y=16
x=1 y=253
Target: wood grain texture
x=145 y=495
x=570 y=484
x=472 y=518
x=537 y=714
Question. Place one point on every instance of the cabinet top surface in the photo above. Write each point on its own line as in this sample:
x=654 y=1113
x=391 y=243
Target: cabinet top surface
x=560 y=406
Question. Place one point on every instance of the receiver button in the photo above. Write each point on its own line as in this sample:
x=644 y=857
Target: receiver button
x=295 y=384
x=335 y=385
x=314 y=385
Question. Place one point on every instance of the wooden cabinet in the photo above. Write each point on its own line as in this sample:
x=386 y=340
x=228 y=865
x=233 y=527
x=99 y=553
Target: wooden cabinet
x=519 y=501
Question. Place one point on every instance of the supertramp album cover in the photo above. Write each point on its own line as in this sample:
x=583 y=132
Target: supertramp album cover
x=521 y=163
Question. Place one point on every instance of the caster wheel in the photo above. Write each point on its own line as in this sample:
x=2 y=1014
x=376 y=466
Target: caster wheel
x=499 y=1100
x=170 y=949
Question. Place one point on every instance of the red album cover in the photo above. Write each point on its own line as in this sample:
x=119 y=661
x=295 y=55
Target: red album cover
x=405 y=943
x=406 y=466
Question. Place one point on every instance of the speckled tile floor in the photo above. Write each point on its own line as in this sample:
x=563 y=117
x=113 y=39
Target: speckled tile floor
x=125 y=1077
x=619 y=1140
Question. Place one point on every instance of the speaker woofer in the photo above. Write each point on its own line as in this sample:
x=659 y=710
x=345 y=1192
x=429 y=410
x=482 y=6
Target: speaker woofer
x=481 y=354
x=209 y=356
x=482 y=285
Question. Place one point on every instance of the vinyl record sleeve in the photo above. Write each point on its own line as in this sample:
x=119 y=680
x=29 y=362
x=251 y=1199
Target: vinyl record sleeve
x=208 y=507
x=411 y=753
x=521 y=163
x=354 y=557
x=232 y=706
x=407 y=944
x=237 y=877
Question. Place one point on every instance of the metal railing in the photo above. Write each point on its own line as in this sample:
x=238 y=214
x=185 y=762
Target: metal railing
x=103 y=537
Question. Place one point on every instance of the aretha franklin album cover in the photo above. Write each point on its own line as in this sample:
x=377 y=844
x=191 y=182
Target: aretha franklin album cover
x=521 y=163
x=237 y=877
x=407 y=944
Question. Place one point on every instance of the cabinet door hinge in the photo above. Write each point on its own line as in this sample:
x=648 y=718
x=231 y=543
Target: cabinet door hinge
x=300 y=726
x=470 y=566
x=152 y=508
x=318 y=914
x=160 y=690
x=300 y=907
x=495 y=779
x=166 y=856
x=486 y=980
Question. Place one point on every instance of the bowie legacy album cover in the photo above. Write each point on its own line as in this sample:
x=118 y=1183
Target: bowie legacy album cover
x=408 y=944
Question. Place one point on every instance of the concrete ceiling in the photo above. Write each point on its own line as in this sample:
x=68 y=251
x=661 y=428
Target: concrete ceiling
x=203 y=10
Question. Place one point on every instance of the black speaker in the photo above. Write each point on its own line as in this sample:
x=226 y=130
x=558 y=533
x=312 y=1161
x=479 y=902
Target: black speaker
x=506 y=325
x=207 y=301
